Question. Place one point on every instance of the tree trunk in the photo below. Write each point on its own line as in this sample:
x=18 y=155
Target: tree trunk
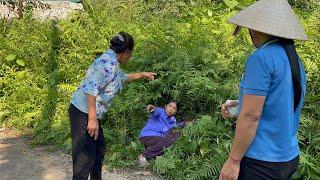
x=20 y=9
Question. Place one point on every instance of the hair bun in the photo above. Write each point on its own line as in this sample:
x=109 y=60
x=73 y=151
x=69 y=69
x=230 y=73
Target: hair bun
x=121 y=38
x=122 y=42
x=118 y=43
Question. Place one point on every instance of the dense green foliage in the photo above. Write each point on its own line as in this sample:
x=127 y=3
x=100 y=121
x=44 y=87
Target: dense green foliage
x=188 y=43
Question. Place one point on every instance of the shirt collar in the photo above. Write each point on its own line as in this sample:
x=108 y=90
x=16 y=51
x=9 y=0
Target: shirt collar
x=113 y=55
x=269 y=42
x=112 y=52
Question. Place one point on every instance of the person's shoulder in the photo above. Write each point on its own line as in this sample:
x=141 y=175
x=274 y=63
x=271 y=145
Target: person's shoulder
x=267 y=57
x=107 y=58
x=255 y=56
x=159 y=109
x=272 y=49
x=267 y=54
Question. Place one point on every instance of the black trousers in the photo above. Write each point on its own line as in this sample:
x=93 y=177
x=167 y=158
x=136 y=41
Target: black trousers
x=252 y=169
x=154 y=145
x=87 y=153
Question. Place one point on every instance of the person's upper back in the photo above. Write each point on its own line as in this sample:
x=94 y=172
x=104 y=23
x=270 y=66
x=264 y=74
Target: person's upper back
x=267 y=73
x=104 y=79
x=159 y=124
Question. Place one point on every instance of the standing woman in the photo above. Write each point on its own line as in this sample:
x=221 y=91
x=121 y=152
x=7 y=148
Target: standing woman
x=271 y=95
x=104 y=79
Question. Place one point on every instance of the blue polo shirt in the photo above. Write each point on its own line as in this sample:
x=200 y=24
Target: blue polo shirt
x=159 y=124
x=267 y=73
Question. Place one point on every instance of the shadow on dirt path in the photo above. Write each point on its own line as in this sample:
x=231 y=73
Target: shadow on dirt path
x=19 y=161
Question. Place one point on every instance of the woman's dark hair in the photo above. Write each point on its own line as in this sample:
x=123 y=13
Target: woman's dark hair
x=293 y=57
x=173 y=101
x=121 y=42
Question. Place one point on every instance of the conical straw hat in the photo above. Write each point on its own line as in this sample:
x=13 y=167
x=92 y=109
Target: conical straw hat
x=273 y=17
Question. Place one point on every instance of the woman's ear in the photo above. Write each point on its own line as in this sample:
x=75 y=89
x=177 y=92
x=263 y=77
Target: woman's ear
x=128 y=52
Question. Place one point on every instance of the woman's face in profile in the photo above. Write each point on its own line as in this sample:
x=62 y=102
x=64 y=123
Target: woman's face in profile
x=171 y=109
x=125 y=57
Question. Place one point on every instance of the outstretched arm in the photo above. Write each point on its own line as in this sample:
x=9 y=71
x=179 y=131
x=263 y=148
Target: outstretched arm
x=142 y=75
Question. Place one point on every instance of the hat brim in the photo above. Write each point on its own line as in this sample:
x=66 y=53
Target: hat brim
x=272 y=17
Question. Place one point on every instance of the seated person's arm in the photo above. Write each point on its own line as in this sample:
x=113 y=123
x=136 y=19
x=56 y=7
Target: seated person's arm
x=150 y=108
x=154 y=110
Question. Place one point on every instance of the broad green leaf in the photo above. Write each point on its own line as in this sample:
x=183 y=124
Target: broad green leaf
x=192 y=13
x=210 y=13
x=202 y=151
x=205 y=20
x=231 y=3
x=10 y=57
x=20 y=62
x=188 y=25
x=134 y=145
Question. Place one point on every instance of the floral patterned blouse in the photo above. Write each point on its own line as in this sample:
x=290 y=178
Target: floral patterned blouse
x=104 y=79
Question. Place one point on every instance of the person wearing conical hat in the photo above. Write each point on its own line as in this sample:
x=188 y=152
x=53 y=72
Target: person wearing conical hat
x=271 y=95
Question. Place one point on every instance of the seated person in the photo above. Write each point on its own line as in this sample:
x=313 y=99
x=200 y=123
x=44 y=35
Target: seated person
x=156 y=135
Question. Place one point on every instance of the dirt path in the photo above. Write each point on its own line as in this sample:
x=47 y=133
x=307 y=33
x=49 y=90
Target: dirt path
x=19 y=161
